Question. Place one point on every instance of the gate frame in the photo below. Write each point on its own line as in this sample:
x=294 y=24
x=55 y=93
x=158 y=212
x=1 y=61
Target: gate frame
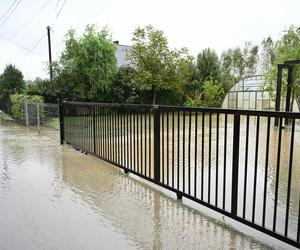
x=289 y=65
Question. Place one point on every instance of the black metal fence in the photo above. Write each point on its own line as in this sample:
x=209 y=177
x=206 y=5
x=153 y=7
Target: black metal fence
x=235 y=162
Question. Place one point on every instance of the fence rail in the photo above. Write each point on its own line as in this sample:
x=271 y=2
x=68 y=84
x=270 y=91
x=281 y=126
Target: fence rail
x=236 y=162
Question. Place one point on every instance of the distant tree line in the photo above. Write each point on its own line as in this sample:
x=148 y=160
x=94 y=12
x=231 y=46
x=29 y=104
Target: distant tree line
x=87 y=70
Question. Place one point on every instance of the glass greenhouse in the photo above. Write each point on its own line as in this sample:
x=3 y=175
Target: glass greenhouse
x=248 y=94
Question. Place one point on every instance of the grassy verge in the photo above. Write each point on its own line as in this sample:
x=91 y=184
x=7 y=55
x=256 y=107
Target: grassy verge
x=54 y=123
x=4 y=116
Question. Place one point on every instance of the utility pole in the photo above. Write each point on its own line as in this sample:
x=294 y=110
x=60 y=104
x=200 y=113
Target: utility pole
x=49 y=48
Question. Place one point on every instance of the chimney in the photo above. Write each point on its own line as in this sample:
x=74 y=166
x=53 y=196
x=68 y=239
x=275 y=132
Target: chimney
x=116 y=42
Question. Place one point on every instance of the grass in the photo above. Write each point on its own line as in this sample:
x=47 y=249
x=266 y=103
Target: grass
x=123 y=174
x=223 y=223
x=54 y=123
x=4 y=116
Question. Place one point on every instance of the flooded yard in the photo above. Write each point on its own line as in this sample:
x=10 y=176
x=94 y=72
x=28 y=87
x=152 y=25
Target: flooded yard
x=196 y=151
x=53 y=197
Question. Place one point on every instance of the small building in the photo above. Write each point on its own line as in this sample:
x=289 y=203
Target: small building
x=249 y=94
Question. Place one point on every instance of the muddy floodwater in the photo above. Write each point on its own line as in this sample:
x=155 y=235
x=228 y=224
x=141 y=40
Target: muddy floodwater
x=53 y=197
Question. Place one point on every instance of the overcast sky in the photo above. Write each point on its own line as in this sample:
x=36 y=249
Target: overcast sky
x=195 y=24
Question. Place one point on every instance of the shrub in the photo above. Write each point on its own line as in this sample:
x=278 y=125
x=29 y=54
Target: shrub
x=17 y=107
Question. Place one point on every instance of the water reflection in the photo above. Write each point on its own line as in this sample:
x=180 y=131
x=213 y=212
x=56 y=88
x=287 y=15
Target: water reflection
x=147 y=217
x=196 y=158
x=61 y=199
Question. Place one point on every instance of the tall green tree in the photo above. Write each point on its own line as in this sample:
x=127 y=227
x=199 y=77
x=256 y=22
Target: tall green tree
x=157 y=68
x=240 y=62
x=207 y=66
x=87 y=66
x=267 y=54
x=11 y=82
x=286 y=48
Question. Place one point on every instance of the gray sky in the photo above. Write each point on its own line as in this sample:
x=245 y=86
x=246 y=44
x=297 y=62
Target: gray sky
x=195 y=24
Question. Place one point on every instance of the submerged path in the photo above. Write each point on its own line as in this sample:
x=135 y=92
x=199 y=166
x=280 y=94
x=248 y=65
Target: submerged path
x=53 y=197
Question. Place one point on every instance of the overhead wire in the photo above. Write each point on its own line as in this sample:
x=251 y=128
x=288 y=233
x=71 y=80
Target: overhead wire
x=10 y=14
x=40 y=40
x=58 y=13
x=18 y=45
x=31 y=50
x=31 y=18
x=5 y=13
x=57 y=3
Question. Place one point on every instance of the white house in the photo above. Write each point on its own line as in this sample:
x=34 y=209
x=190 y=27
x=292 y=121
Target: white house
x=122 y=50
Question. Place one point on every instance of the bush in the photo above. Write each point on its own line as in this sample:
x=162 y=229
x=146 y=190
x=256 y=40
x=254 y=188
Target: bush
x=16 y=104
x=213 y=94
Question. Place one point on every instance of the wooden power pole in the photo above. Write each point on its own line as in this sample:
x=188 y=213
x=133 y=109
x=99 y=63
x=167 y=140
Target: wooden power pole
x=49 y=48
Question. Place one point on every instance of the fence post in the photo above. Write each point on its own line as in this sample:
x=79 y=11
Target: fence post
x=235 y=163
x=61 y=121
x=156 y=143
x=26 y=113
x=38 y=117
x=278 y=91
x=94 y=127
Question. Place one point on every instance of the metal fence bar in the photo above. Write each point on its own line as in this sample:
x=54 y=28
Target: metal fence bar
x=289 y=179
x=246 y=167
x=266 y=172
x=38 y=117
x=255 y=168
x=277 y=174
x=235 y=164
x=61 y=122
x=157 y=144
x=26 y=113
x=184 y=155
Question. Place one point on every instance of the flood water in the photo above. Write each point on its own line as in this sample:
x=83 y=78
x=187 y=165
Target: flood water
x=53 y=197
x=196 y=152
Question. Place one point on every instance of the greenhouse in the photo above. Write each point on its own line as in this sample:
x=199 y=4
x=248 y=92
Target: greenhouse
x=249 y=94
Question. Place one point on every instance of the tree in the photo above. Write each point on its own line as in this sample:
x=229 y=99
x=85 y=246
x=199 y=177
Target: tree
x=286 y=48
x=213 y=94
x=87 y=66
x=267 y=53
x=240 y=62
x=120 y=90
x=11 y=82
x=156 y=67
x=207 y=66
x=42 y=87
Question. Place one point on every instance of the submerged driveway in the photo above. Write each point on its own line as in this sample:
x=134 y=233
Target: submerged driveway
x=53 y=197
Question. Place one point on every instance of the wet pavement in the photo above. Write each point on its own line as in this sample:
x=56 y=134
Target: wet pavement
x=53 y=197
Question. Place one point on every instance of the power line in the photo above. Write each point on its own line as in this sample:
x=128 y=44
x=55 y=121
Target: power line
x=58 y=13
x=30 y=19
x=19 y=45
x=31 y=50
x=9 y=15
x=5 y=13
x=40 y=40
x=57 y=4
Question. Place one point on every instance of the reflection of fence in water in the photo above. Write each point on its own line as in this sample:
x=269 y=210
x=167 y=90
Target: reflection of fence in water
x=235 y=162
x=165 y=219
